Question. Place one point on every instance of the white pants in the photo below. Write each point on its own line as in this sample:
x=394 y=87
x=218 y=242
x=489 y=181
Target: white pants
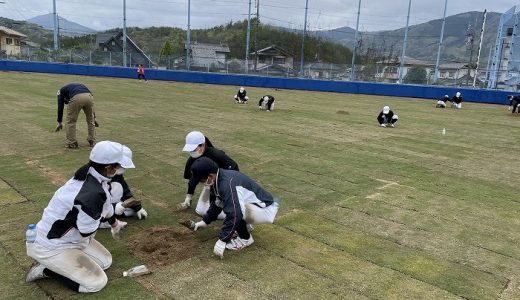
x=83 y=266
x=203 y=203
x=260 y=215
x=459 y=105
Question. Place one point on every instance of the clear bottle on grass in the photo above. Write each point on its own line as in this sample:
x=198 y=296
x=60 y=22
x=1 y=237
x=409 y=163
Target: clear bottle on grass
x=136 y=271
x=30 y=234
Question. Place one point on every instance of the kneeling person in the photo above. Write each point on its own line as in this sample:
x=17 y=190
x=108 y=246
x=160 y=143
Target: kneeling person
x=266 y=103
x=240 y=198
x=65 y=248
x=442 y=102
x=387 y=117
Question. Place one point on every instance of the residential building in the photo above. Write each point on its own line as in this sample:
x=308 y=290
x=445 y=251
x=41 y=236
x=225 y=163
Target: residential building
x=10 y=41
x=208 y=56
x=113 y=43
x=274 y=59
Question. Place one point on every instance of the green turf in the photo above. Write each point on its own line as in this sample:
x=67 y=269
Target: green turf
x=367 y=212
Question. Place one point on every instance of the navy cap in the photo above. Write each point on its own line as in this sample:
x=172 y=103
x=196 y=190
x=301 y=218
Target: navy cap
x=202 y=167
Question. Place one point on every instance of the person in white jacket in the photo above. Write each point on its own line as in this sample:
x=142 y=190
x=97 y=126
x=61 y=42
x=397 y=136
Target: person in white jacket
x=65 y=248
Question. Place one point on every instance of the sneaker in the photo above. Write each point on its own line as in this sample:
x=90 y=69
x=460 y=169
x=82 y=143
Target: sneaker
x=73 y=145
x=239 y=243
x=35 y=272
x=104 y=225
x=91 y=143
x=392 y=125
x=267 y=110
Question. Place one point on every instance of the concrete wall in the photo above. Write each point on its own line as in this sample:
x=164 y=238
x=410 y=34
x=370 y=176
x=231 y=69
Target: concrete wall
x=383 y=89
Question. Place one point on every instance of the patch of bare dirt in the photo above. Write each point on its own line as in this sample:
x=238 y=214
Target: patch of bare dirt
x=342 y=112
x=56 y=178
x=163 y=245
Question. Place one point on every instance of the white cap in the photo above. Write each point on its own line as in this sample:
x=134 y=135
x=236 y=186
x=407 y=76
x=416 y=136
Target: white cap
x=127 y=158
x=266 y=98
x=457 y=94
x=386 y=109
x=241 y=88
x=193 y=140
x=107 y=152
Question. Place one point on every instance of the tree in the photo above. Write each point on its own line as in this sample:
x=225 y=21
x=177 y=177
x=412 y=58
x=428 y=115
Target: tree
x=416 y=75
x=166 y=50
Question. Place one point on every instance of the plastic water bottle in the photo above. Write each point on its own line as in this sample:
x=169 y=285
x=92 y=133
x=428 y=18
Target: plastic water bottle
x=443 y=131
x=136 y=271
x=30 y=234
x=276 y=202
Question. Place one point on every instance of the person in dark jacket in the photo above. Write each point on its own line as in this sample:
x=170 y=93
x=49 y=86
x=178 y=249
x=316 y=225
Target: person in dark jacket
x=200 y=146
x=456 y=100
x=387 y=117
x=441 y=103
x=513 y=103
x=266 y=102
x=241 y=96
x=78 y=97
x=242 y=200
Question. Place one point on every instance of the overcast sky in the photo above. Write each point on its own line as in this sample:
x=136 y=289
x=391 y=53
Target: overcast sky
x=322 y=14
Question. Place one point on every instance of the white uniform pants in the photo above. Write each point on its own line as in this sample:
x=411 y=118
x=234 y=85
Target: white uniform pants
x=83 y=266
x=256 y=214
x=203 y=203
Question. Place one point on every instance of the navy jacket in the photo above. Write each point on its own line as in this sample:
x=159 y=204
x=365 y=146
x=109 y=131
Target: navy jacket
x=66 y=93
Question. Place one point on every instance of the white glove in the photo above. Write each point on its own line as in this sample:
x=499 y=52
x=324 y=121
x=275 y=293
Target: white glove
x=200 y=224
x=509 y=108
x=116 y=229
x=187 y=202
x=219 y=248
x=383 y=125
x=142 y=214
x=119 y=209
x=260 y=106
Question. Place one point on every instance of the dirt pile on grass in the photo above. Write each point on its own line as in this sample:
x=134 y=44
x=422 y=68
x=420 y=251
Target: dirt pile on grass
x=161 y=246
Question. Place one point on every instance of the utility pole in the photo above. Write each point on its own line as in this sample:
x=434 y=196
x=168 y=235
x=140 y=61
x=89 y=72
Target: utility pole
x=401 y=68
x=479 y=47
x=188 y=46
x=124 y=34
x=55 y=22
x=354 y=44
x=436 y=75
x=256 y=33
x=248 y=36
x=469 y=46
x=303 y=37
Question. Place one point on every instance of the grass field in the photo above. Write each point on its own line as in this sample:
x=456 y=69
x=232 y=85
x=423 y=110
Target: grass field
x=367 y=212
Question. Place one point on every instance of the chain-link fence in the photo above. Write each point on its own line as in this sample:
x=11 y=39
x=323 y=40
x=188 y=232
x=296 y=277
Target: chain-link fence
x=452 y=74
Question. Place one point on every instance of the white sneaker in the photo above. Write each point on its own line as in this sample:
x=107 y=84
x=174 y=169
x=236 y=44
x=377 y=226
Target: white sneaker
x=35 y=272
x=104 y=225
x=392 y=125
x=383 y=125
x=239 y=243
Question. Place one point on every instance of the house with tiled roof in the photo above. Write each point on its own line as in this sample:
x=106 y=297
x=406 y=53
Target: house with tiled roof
x=206 y=55
x=10 y=41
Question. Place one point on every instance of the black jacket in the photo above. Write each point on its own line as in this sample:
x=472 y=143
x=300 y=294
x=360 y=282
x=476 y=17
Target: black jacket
x=385 y=118
x=218 y=156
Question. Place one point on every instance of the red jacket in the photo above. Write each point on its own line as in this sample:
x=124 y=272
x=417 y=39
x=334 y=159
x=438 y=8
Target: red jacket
x=140 y=70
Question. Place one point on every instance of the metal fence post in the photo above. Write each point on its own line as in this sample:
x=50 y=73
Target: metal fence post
x=110 y=58
x=70 y=53
x=90 y=57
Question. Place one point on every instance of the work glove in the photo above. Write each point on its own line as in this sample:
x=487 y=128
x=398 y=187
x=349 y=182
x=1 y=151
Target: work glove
x=119 y=209
x=186 y=204
x=59 y=127
x=96 y=123
x=200 y=224
x=116 y=229
x=219 y=248
x=142 y=214
x=509 y=108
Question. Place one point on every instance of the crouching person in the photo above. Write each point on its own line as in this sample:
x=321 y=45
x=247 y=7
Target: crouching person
x=387 y=117
x=442 y=102
x=266 y=103
x=241 y=96
x=242 y=200
x=65 y=248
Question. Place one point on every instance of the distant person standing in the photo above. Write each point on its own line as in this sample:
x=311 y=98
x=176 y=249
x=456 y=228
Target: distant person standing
x=266 y=103
x=78 y=97
x=387 y=117
x=140 y=72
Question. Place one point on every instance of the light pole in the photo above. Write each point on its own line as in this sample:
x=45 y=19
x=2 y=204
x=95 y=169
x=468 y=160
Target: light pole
x=436 y=75
x=354 y=44
x=303 y=38
x=55 y=22
x=248 y=36
x=124 y=33
x=401 y=68
x=188 y=46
